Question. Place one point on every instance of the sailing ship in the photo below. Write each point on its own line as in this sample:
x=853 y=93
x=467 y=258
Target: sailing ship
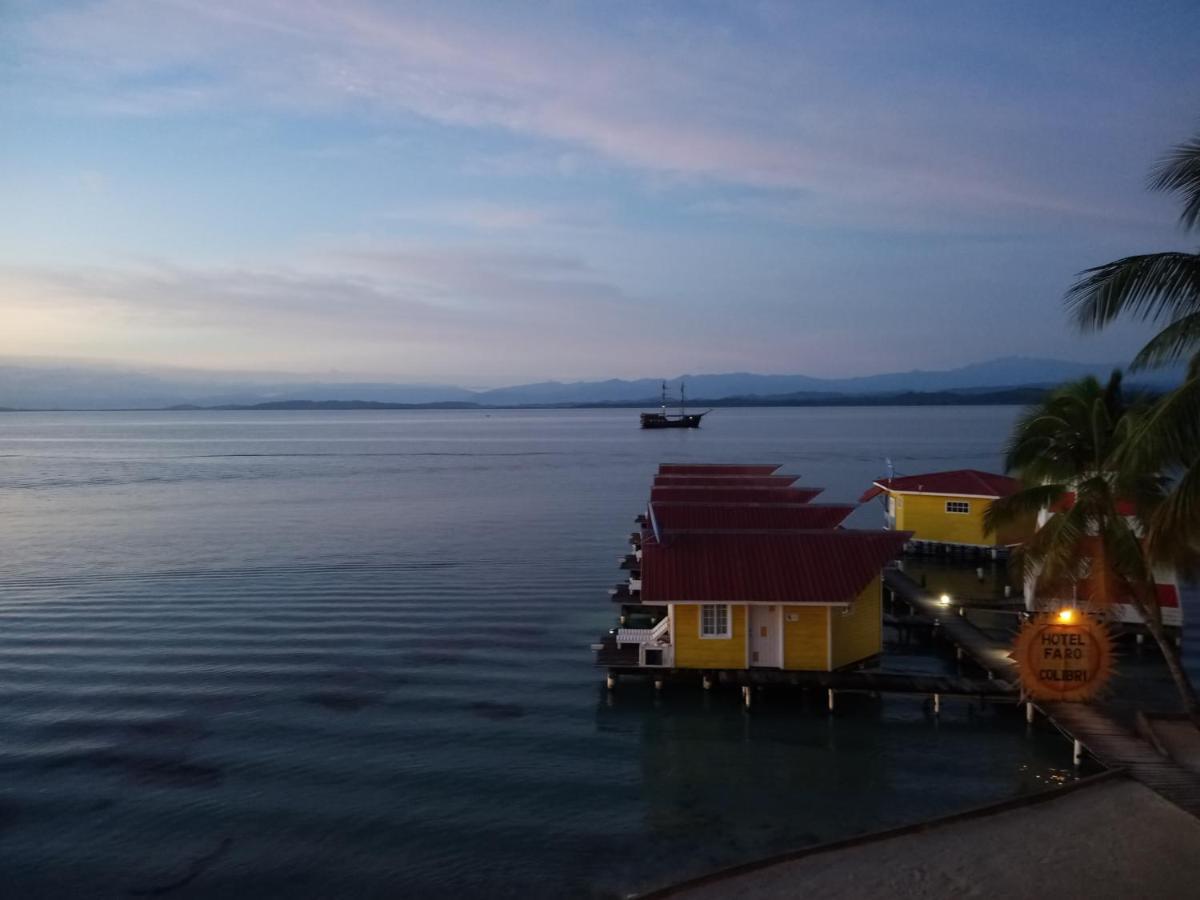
x=683 y=420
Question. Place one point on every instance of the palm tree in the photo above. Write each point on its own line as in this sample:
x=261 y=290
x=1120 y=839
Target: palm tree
x=1155 y=287
x=1069 y=453
x=1163 y=288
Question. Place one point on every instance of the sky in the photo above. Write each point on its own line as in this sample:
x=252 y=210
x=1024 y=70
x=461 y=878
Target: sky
x=485 y=193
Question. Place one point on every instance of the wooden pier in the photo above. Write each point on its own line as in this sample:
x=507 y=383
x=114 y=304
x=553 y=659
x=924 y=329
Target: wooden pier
x=1088 y=726
x=989 y=654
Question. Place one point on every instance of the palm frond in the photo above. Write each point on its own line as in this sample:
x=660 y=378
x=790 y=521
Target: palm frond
x=1167 y=435
x=1177 y=340
x=1153 y=287
x=1179 y=173
x=1021 y=506
x=1174 y=533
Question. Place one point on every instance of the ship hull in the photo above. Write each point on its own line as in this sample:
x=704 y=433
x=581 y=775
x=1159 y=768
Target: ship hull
x=658 y=420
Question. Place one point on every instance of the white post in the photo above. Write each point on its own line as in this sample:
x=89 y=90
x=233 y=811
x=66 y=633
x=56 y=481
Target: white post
x=937 y=704
x=979 y=573
x=1007 y=591
x=747 y=693
x=829 y=699
x=658 y=684
x=706 y=681
x=1029 y=713
x=1077 y=756
x=611 y=681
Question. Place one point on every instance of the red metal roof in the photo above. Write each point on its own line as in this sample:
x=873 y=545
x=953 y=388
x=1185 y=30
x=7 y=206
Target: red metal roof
x=672 y=516
x=725 y=480
x=714 y=469
x=735 y=494
x=765 y=566
x=959 y=482
x=1067 y=500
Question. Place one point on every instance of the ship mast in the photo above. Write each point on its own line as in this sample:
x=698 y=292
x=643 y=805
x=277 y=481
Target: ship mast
x=664 y=399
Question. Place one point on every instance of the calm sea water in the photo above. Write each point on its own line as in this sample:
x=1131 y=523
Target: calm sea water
x=346 y=653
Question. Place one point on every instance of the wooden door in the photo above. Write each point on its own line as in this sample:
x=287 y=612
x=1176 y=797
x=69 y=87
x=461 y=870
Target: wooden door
x=766 y=644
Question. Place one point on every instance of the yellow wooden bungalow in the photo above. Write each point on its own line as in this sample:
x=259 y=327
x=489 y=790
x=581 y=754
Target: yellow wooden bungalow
x=760 y=597
x=947 y=508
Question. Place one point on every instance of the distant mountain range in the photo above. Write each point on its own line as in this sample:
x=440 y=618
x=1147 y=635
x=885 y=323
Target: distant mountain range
x=27 y=386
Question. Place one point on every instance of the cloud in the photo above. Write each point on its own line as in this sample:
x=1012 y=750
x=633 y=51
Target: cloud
x=397 y=308
x=682 y=99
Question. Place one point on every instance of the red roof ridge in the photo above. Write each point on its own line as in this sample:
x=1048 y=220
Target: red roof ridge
x=962 y=482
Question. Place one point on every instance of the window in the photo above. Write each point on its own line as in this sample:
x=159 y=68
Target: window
x=714 y=621
x=958 y=506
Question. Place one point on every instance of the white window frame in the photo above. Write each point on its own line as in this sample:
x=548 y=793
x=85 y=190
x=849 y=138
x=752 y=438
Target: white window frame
x=724 y=635
x=965 y=511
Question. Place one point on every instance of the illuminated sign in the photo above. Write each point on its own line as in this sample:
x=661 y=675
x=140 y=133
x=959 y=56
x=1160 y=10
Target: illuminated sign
x=1066 y=655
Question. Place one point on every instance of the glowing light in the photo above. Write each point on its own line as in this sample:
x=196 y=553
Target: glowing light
x=944 y=600
x=1066 y=616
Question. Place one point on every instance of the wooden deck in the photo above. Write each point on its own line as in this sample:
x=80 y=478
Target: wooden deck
x=989 y=654
x=860 y=681
x=1109 y=742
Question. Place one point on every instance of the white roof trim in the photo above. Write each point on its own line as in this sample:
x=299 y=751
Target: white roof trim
x=883 y=487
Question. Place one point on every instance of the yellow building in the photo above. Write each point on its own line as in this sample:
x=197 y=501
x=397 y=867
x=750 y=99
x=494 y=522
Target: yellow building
x=793 y=600
x=948 y=507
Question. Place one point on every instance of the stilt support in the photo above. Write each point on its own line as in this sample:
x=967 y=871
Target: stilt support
x=937 y=704
x=747 y=695
x=706 y=681
x=1077 y=754
x=1029 y=710
x=611 y=681
x=658 y=684
x=829 y=699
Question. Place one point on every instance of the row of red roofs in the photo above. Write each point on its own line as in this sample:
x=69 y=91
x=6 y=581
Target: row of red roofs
x=745 y=534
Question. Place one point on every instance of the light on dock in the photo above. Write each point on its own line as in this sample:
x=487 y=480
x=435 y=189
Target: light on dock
x=1066 y=616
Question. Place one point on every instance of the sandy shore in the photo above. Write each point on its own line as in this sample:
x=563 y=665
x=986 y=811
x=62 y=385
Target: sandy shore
x=1114 y=838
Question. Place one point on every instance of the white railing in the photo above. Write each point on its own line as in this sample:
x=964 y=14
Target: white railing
x=645 y=635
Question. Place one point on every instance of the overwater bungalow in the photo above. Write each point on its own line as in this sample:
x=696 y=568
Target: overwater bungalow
x=946 y=509
x=721 y=584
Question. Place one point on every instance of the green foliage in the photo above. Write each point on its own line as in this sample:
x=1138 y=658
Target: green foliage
x=1153 y=287
x=1179 y=173
x=1069 y=453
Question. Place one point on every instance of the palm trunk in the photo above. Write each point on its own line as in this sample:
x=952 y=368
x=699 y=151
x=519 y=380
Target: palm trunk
x=1187 y=693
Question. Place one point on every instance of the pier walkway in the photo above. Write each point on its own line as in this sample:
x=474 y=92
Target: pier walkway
x=1094 y=730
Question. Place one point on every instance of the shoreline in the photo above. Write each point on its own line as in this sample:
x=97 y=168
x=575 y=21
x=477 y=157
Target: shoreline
x=928 y=858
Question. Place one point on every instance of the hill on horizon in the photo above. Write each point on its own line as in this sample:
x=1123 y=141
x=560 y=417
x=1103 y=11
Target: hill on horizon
x=67 y=386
